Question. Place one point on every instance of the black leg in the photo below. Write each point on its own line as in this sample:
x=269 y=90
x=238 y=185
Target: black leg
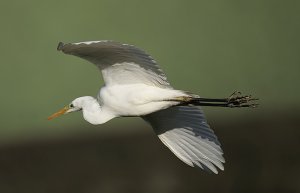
x=234 y=100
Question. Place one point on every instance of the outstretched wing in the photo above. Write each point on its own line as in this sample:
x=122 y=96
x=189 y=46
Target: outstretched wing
x=119 y=63
x=183 y=129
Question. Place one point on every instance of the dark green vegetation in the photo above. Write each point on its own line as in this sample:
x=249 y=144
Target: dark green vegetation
x=211 y=48
x=258 y=159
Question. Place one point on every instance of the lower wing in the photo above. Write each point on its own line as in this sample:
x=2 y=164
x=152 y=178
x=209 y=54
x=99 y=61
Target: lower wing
x=184 y=130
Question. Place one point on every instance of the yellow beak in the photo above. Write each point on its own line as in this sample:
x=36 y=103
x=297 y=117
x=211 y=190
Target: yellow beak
x=59 y=113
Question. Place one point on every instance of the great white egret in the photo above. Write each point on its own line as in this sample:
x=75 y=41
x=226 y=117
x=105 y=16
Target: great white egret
x=136 y=86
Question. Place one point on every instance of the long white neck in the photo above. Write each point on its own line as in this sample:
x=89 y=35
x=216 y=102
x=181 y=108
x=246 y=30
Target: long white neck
x=93 y=112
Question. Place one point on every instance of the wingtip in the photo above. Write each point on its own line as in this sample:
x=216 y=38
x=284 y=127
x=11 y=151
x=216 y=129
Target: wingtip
x=60 y=46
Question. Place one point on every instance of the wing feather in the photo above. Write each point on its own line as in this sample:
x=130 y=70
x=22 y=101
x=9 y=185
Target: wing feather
x=119 y=63
x=184 y=130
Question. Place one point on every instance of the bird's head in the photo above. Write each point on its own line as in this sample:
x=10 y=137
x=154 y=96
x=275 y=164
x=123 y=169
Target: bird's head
x=92 y=111
x=75 y=105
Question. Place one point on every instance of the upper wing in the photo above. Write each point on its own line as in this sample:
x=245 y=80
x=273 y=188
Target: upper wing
x=119 y=63
x=183 y=129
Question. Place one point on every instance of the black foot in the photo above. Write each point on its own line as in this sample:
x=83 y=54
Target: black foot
x=237 y=100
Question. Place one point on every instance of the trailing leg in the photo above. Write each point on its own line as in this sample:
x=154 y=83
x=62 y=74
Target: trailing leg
x=234 y=100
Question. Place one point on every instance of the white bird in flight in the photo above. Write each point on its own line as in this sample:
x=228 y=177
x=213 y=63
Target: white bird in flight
x=136 y=86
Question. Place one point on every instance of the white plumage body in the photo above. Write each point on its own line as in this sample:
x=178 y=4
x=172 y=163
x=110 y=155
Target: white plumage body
x=136 y=99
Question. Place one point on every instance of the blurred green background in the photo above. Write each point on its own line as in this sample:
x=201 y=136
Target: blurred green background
x=207 y=47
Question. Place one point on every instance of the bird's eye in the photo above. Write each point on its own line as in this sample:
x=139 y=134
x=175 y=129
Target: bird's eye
x=71 y=105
